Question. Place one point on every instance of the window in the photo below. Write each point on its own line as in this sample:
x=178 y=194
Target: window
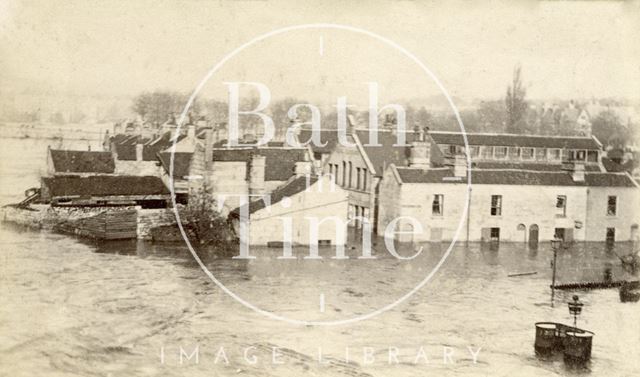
x=555 y=154
x=559 y=233
x=344 y=173
x=358 y=172
x=495 y=234
x=364 y=179
x=612 y=205
x=500 y=152
x=350 y=179
x=487 y=152
x=453 y=149
x=514 y=152
x=561 y=206
x=611 y=235
x=437 y=207
x=541 y=153
x=496 y=205
x=592 y=156
x=527 y=153
x=474 y=151
x=581 y=155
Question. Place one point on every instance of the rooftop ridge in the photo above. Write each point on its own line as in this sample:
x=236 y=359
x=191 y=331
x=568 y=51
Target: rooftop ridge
x=510 y=134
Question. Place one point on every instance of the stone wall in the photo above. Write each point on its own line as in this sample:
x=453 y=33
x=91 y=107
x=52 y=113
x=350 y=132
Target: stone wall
x=151 y=218
x=46 y=217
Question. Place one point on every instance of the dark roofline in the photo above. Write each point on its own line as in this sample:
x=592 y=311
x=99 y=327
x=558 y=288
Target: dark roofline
x=507 y=139
x=513 y=177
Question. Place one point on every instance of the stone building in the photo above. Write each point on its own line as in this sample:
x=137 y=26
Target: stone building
x=523 y=188
x=288 y=217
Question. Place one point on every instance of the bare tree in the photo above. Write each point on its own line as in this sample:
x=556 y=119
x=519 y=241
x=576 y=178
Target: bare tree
x=155 y=106
x=515 y=103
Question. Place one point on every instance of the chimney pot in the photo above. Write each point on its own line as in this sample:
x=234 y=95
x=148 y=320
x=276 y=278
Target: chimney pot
x=577 y=174
x=420 y=154
x=139 y=149
x=460 y=166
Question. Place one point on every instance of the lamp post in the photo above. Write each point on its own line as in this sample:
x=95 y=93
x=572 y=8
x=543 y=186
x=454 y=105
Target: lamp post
x=575 y=308
x=555 y=244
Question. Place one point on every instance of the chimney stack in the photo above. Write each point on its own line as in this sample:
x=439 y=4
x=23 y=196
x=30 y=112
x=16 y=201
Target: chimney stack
x=420 y=154
x=139 y=149
x=256 y=174
x=304 y=168
x=577 y=174
x=191 y=133
x=459 y=166
x=208 y=147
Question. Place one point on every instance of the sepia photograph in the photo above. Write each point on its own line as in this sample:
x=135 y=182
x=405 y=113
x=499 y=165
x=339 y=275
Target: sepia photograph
x=319 y=188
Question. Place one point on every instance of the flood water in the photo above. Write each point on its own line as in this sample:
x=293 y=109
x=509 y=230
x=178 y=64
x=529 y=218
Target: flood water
x=73 y=308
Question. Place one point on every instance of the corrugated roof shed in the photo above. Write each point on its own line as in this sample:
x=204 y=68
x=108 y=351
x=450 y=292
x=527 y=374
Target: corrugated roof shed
x=82 y=161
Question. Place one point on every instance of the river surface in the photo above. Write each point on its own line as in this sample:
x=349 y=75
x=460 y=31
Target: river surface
x=69 y=307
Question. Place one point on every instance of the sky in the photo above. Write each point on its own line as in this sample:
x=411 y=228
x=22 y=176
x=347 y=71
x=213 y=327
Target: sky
x=566 y=49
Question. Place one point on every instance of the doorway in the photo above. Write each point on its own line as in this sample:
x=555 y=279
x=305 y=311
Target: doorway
x=533 y=235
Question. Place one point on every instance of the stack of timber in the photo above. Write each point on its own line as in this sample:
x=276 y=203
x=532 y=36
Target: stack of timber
x=108 y=225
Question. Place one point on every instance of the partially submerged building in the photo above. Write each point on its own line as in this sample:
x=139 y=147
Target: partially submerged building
x=305 y=210
x=523 y=188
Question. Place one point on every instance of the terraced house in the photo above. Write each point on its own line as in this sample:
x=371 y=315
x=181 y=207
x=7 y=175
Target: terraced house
x=523 y=188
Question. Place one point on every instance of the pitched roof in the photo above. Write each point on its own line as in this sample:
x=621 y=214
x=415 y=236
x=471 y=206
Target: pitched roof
x=289 y=189
x=386 y=153
x=82 y=161
x=326 y=136
x=528 y=166
x=279 y=163
x=164 y=141
x=512 y=140
x=104 y=185
x=514 y=177
x=181 y=163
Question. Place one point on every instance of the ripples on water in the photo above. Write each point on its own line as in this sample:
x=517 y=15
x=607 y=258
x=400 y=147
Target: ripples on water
x=70 y=307
x=73 y=308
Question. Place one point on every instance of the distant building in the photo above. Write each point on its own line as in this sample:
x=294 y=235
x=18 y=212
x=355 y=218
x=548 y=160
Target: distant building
x=294 y=205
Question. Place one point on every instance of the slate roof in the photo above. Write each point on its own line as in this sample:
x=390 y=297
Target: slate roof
x=528 y=166
x=386 y=154
x=181 y=163
x=151 y=149
x=104 y=185
x=515 y=177
x=289 y=189
x=280 y=163
x=326 y=136
x=82 y=161
x=512 y=140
